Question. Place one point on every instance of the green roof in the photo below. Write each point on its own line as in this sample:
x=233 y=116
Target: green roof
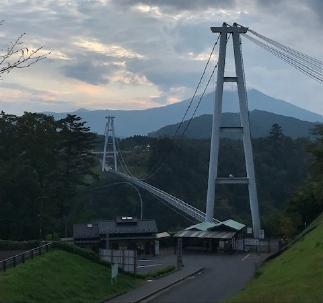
x=206 y=226
x=234 y=224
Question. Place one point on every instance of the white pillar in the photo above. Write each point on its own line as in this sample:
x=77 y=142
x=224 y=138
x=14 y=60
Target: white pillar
x=216 y=123
x=114 y=145
x=247 y=145
x=105 y=146
x=108 y=141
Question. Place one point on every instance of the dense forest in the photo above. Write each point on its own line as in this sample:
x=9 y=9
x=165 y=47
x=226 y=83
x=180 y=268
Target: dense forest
x=43 y=164
x=50 y=178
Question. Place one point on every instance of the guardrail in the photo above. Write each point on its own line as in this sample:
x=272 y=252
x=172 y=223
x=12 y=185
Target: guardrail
x=188 y=209
x=21 y=258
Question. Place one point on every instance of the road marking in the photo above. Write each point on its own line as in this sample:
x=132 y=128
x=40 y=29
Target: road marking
x=151 y=265
x=245 y=257
x=145 y=260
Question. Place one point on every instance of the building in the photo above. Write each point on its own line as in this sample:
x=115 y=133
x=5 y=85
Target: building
x=121 y=233
x=222 y=236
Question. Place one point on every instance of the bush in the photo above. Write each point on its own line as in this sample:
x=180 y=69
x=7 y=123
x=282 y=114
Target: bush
x=18 y=245
x=155 y=274
x=88 y=254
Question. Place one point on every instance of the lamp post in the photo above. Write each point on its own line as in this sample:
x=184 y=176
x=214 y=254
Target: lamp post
x=131 y=185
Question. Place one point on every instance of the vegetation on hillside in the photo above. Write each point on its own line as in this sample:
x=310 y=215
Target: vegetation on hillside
x=43 y=163
x=180 y=167
x=296 y=276
x=49 y=178
x=60 y=276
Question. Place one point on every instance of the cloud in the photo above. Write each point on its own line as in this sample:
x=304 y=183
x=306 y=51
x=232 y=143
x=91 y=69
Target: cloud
x=180 y=5
x=137 y=53
x=87 y=70
x=113 y=50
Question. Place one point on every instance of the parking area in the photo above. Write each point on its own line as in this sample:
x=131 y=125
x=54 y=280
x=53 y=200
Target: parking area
x=155 y=263
x=223 y=276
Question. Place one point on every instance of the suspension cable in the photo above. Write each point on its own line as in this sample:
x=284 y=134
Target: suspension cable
x=301 y=66
x=161 y=163
x=197 y=87
x=294 y=52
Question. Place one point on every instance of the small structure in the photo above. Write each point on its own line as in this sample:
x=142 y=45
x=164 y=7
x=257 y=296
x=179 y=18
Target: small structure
x=121 y=233
x=209 y=236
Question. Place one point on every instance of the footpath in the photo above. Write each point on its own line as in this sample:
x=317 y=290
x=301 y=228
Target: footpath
x=152 y=287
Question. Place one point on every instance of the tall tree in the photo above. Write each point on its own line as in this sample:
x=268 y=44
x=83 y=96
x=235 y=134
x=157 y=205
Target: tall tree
x=76 y=161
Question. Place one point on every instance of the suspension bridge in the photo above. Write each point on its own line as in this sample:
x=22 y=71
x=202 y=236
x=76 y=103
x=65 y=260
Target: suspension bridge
x=309 y=66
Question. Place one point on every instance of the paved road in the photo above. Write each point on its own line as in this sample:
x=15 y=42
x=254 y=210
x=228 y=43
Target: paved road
x=223 y=276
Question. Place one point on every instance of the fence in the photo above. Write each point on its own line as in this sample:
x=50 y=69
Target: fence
x=256 y=245
x=21 y=258
x=126 y=259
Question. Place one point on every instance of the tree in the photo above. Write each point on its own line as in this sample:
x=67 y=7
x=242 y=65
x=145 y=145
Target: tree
x=76 y=161
x=18 y=56
x=307 y=203
x=43 y=163
x=276 y=132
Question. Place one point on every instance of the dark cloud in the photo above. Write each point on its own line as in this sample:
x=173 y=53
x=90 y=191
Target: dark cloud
x=87 y=70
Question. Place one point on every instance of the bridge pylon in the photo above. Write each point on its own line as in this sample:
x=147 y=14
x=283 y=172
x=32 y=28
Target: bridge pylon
x=243 y=129
x=109 y=160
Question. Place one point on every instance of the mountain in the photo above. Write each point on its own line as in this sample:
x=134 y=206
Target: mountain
x=141 y=122
x=260 y=123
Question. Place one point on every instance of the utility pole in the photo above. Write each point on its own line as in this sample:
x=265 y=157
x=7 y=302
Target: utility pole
x=109 y=151
x=243 y=129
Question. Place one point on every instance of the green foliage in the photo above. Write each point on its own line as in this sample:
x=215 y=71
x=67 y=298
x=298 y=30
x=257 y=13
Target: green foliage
x=43 y=163
x=18 y=245
x=181 y=168
x=60 y=276
x=87 y=254
x=293 y=277
x=158 y=273
x=307 y=202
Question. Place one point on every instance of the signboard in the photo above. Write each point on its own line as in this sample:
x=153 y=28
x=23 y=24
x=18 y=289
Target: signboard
x=249 y=230
x=114 y=272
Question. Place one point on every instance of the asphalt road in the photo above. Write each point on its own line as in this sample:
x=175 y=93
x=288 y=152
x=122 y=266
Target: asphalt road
x=223 y=276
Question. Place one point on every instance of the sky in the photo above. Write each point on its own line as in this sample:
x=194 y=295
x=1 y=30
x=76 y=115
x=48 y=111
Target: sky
x=129 y=54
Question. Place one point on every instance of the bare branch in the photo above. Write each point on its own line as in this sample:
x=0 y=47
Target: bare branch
x=17 y=56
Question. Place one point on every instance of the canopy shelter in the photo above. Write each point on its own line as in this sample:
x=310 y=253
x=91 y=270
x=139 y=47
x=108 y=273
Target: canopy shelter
x=211 y=236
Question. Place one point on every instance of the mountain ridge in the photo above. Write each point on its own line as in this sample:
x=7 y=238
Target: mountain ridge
x=144 y=121
x=260 y=124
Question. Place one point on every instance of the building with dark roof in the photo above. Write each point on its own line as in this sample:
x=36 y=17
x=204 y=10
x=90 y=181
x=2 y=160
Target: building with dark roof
x=121 y=233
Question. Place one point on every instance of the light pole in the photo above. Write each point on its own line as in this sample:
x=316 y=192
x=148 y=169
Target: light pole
x=131 y=185
x=40 y=215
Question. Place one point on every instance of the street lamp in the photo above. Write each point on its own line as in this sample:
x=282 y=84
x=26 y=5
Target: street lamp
x=131 y=185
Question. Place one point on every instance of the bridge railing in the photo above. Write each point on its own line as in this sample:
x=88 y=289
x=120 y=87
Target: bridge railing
x=188 y=209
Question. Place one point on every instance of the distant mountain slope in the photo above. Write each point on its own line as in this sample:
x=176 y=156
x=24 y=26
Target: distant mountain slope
x=141 y=122
x=260 y=121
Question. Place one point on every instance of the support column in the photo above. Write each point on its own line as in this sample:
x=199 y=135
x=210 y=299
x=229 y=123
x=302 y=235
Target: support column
x=247 y=144
x=216 y=123
x=108 y=141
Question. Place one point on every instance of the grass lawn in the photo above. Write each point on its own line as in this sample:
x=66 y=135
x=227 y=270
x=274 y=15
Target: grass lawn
x=60 y=276
x=294 y=276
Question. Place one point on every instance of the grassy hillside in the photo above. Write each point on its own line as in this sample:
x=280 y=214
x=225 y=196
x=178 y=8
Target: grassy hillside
x=60 y=277
x=294 y=276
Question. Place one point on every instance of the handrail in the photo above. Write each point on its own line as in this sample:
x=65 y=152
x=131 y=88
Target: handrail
x=190 y=210
x=22 y=257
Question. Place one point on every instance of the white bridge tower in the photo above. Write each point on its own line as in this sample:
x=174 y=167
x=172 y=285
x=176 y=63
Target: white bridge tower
x=244 y=127
x=109 y=159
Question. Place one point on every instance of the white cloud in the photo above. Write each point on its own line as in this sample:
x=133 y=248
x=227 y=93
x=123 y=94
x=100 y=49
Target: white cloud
x=112 y=50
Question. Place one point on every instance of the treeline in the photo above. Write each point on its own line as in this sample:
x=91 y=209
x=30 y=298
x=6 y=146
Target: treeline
x=286 y=170
x=43 y=164
x=49 y=179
